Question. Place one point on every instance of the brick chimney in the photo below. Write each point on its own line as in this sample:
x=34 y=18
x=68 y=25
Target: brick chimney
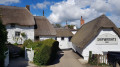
x=28 y=7
x=82 y=21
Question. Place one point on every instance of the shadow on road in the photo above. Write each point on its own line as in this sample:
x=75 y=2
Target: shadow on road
x=57 y=60
x=18 y=62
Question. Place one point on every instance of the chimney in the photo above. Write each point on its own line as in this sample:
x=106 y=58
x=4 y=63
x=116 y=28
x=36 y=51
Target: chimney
x=28 y=7
x=66 y=25
x=43 y=12
x=82 y=21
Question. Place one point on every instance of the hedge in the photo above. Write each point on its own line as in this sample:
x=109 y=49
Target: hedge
x=47 y=52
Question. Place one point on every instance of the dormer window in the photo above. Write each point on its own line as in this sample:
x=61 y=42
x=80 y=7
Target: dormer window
x=12 y=25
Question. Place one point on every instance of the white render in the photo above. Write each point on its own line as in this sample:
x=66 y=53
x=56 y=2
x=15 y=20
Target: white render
x=74 y=32
x=64 y=44
x=46 y=37
x=98 y=48
x=28 y=30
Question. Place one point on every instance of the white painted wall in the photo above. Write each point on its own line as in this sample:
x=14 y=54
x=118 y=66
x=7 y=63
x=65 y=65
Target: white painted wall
x=74 y=32
x=28 y=30
x=64 y=44
x=98 y=49
x=47 y=37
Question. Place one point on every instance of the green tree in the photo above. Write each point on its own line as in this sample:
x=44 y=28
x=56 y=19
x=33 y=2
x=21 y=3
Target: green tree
x=58 y=25
x=70 y=26
x=3 y=39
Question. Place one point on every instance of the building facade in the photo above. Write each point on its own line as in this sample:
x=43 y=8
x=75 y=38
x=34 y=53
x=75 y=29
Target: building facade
x=99 y=36
x=18 y=21
x=64 y=36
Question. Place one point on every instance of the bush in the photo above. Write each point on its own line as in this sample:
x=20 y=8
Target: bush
x=3 y=40
x=23 y=35
x=15 y=44
x=30 y=44
x=46 y=53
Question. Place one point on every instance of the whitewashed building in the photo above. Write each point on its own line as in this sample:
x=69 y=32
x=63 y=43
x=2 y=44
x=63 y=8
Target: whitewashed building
x=19 y=23
x=64 y=36
x=99 y=36
x=43 y=29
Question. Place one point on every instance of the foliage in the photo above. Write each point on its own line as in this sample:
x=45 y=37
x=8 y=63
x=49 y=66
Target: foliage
x=3 y=40
x=23 y=34
x=46 y=52
x=58 y=25
x=90 y=57
x=70 y=26
x=30 y=44
x=15 y=44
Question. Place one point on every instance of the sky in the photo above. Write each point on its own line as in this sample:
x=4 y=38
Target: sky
x=58 y=11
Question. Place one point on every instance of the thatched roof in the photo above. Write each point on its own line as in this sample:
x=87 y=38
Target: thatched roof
x=62 y=32
x=91 y=29
x=16 y=15
x=44 y=28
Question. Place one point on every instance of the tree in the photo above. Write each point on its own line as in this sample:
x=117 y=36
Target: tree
x=3 y=40
x=58 y=25
x=70 y=26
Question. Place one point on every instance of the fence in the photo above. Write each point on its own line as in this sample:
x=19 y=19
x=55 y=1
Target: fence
x=100 y=58
x=6 y=61
x=29 y=54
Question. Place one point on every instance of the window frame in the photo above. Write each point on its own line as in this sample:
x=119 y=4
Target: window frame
x=62 y=38
x=17 y=33
x=12 y=25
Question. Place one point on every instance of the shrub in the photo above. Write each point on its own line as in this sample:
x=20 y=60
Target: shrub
x=3 y=39
x=30 y=44
x=46 y=52
x=15 y=44
x=23 y=35
x=90 y=57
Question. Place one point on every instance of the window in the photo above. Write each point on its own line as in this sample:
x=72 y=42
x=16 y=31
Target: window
x=70 y=38
x=62 y=38
x=55 y=38
x=12 y=25
x=36 y=37
x=17 y=34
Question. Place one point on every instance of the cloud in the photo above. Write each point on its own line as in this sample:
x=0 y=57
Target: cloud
x=9 y=1
x=41 y=5
x=72 y=10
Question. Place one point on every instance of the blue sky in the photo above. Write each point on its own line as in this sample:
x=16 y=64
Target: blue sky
x=58 y=11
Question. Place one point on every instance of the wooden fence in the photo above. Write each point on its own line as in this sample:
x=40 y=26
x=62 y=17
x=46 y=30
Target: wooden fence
x=101 y=58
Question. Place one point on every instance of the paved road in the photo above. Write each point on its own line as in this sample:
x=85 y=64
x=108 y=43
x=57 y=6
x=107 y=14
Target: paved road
x=20 y=62
x=67 y=59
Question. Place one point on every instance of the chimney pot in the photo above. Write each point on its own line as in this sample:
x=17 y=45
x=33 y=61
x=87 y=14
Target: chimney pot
x=28 y=7
x=82 y=21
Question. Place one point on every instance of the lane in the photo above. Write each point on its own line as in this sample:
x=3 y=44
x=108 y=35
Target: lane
x=67 y=59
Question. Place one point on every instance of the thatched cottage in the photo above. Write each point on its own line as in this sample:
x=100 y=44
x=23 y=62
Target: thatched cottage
x=19 y=23
x=43 y=29
x=99 y=36
x=64 y=36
